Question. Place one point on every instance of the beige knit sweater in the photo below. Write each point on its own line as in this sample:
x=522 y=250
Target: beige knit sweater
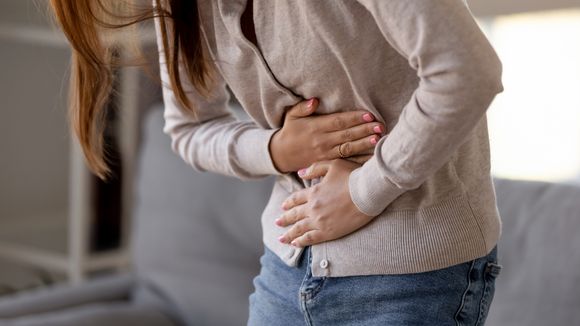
x=423 y=67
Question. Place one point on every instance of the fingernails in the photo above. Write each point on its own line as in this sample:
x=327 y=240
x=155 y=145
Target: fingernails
x=294 y=243
x=378 y=129
x=283 y=206
x=282 y=239
x=310 y=103
x=278 y=221
x=302 y=172
x=368 y=117
x=374 y=140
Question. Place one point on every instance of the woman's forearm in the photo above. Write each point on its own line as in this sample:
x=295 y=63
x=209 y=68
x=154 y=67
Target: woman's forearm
x=459 y=73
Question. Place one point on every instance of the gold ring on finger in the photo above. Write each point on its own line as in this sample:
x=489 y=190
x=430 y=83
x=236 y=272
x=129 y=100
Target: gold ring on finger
x=340 y=151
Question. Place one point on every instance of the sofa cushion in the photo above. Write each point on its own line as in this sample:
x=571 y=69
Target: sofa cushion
x=96 y=314
x=197 y=236
x=540 y=253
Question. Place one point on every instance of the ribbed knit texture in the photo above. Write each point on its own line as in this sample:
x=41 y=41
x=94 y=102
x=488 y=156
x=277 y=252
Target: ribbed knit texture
x=422 y=67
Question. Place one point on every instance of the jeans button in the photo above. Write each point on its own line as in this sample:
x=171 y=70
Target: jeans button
x=324 y=263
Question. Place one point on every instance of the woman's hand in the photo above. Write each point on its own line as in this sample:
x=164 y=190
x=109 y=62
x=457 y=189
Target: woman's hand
x=306 y=138
x=324 y=211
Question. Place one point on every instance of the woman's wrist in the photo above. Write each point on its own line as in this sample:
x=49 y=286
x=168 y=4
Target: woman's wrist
x=275 y=147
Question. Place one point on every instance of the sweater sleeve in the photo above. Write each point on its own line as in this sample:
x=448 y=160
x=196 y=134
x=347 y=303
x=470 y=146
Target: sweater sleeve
x=459 y=76
x=213 y=139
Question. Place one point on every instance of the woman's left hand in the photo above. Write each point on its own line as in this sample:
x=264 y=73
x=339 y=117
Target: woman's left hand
x=324 y=211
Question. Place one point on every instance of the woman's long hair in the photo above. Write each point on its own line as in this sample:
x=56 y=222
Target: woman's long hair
x=87 y=24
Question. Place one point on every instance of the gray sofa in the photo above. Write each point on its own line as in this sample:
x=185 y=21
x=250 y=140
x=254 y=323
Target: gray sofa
x=197 y=243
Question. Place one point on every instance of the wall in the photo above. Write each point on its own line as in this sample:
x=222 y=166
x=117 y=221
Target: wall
x=33 y=135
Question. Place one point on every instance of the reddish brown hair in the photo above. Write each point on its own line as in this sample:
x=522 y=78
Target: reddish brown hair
x=87 y=23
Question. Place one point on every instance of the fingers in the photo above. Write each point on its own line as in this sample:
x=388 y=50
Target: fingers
x=302 y=109
x=354 y=140
x=295 y=216
x=298 y=229
x=344 y=120
x=308 y=238
x=316 y=170
x=297 y=198
x=356 y=132
x=357 y=147
x=357 y=140
x=291 y=216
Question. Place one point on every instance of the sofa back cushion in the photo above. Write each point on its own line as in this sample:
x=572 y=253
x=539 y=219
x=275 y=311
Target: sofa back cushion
x=197 y=236
x=540 y=252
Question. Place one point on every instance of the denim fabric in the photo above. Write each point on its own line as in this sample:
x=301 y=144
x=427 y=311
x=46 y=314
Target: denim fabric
x=457 y=295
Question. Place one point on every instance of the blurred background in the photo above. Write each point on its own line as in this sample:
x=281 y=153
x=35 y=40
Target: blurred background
x=57 y=221
x=59 y=224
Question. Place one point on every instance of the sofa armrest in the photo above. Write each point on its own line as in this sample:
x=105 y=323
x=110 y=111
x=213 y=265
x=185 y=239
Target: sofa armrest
x=112 y=288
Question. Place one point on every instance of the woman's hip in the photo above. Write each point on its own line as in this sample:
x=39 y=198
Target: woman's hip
x=456 y=295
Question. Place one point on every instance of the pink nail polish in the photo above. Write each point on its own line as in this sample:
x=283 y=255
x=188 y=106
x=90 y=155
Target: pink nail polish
x=378 y=129
x=368 y=117
x=301 y=172
x=282 y=239
x=310 y=103
x=374 y=140
x=278 y=221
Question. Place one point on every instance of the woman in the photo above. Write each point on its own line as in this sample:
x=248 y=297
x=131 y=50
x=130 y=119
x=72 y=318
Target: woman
x=407 y=238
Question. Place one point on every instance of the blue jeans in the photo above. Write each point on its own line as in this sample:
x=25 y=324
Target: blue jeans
x=456 y=295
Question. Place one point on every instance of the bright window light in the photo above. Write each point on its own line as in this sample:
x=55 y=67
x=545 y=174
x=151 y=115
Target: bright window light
x=534 y=124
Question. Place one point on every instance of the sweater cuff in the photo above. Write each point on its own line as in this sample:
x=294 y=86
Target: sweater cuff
x=371 y=192
x=254 y=153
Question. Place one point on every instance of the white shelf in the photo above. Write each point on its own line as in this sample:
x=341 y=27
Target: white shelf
x=42 y=241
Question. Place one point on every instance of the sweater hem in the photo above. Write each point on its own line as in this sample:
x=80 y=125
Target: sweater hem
x=400 y=242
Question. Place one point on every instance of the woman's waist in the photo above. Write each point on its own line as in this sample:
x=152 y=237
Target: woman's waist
x=403 y=241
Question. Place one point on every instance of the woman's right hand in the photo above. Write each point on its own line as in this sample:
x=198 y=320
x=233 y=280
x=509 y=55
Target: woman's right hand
x=305 y=138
